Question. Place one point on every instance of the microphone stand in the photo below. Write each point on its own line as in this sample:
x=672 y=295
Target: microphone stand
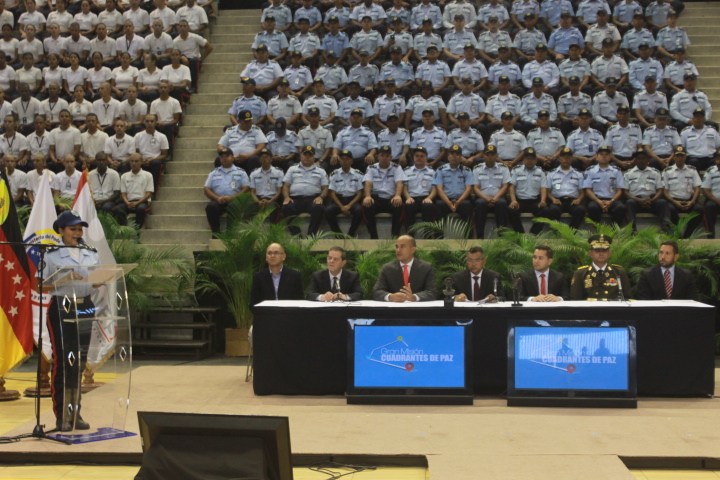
x=39 y=430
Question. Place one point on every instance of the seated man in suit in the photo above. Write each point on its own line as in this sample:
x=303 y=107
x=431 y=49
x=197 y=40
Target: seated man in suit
x=477 y=283
x=407 y=279
x=666 y=280
x=336 y=283
x=277 y=282
x=542 y=284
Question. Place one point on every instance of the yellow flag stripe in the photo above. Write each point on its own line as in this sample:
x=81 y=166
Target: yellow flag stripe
x=4 y=201
x=11 y=351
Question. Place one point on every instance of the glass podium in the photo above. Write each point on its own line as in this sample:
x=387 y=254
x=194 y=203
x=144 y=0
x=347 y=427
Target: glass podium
x=93 y=305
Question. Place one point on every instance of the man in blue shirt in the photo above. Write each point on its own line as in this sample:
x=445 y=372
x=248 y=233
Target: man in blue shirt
x=604 y=186
x=305 y=188
x=564 y=36
x=419 y=191
x=346 y=189
x=528 y=193
x=384 y=184
x=223 y=185
x=454 y=185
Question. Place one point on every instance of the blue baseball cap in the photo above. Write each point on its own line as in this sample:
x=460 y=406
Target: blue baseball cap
x=67 y=219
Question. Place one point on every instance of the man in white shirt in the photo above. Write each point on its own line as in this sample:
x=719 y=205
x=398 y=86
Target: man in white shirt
x=189 y=45
x=119 y=147
x=112 y=19
x=168 y=112
x=133 y=111
x=194 y=15
x=159 y=43
x=106 y=108
x=66 y=182
x=153 y=148
x=92 y=141
x=106 y=46
x=139 y=17
x=53 y=105
x=39 y=140
x=33 y=177
x=15 y=144
x=136 y=189
x=167 y=16
x=131 y=43
x=17 y=181
x=105 y=185
x=64 y=140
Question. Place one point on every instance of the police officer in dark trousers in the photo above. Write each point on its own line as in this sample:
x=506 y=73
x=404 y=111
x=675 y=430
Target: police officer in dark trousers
x=604 y=185
x=528 y=193
x=65 y=380
x=644 y=189
x=600 y=281
x=565 y=190
x=682 y=189
x=419 y=191
x=384 y=184
x=224 y=184
x=454 y=183
x=492 y=180
x=346 y=188
x=305 y=188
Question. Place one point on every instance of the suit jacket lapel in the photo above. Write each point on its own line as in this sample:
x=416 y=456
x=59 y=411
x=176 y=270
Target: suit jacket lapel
x=414 y=274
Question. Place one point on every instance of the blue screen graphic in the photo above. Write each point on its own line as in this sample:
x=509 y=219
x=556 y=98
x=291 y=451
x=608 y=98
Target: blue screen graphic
x=409 y=357
x=569 y=358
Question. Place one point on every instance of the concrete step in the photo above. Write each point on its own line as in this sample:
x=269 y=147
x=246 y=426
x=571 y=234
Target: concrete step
x=187 y=249
x=172 y=194
x=219 y=98
x=700 y=20
x=233 y=57
x=209 y=109
x=231 y=77
x=191 y=168
x=693 y=31
x=710 y=39
x=198 y=120
x=190 y=180
x=240 y=13
x=180 y=222
x=179 y=207
x=233 y=45
x=214 y=132
x=245 y=21
x=207 y=144
x=231 y=87
x=175 y=236
x=232 y=67
x=190 y=155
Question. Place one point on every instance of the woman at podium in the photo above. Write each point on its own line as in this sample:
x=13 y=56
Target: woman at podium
x=65 y=379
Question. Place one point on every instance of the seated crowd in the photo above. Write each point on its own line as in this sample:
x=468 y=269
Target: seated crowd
x=103 y=90
x=582 y=108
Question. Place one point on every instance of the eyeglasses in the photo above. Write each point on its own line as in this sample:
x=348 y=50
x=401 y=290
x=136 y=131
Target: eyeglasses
x=274 y=254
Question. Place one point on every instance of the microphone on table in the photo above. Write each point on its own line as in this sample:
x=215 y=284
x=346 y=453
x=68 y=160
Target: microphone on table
x=621 y=294
x=496 y=283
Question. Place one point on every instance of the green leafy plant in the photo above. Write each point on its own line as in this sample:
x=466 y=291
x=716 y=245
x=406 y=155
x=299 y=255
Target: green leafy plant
x=229 y=272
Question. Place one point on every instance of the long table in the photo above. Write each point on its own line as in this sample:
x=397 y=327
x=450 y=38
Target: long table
x=300 y=347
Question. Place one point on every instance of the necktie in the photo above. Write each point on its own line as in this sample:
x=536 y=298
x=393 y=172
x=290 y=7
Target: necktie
x=335 y=286
x=668 y=284
x=406 y=275
x=543 y=287
x=476 y=289
x=601 y=271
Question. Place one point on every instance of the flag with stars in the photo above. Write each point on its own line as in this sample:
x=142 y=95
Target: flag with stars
x=16 y=326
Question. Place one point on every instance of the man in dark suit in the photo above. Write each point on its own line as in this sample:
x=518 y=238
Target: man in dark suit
x=477 y=283
x=407 y=279
x=667 y=280
x=335 y=283
x=277 y=282
x=542 y=284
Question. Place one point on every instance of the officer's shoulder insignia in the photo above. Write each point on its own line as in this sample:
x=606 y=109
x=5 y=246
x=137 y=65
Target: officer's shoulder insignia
x=89 y=247
x=690 y=167
x=493 y=96
x=415 y=96
x=616 y=266
x=527 y=95
x=417 y=130
x=565 y=95
x=401 y=129
x=555 y=129
x=375 y=166
x=621 y=93
x=652 y=169
x=688 y=127
x=255 y=127
x=661 y=93
x=669 y=126
x=53 y=249
x=335 y=172
x=600 y=93
x=534 y=130
x=584 y=267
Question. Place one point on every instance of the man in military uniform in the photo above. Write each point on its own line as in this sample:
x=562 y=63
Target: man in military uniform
x=604 y=185
x=245 y=140
x=533 y=103
x=419 y=191
x=565 y=192
x=682 y=189
x=432 y=138
x=700 y=141
x=644 y=190
x=623 y=138
x=546 y=140
x=316 y=136
x=346 y=187
x=492 y=180
x=305 y=188
x=224 y=184
x=266 y=183
x=528 y=193
x=509 y=142
x=454 y=185
x=570 y=104
x=248 y=101
x=470 y=140
x=383 y=192
x=398 y=139
x=359 y=140
x=354 y=102
x=584 y=141
x=687 y=101
x=711 y=191
x=659 y=140
x=389 y=104
x=419 y=103
x=466 y=102
x=600 y=281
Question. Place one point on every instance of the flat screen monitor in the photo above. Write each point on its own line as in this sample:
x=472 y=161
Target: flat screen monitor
x=212 y=439
x=579 y=361
x=409 y=361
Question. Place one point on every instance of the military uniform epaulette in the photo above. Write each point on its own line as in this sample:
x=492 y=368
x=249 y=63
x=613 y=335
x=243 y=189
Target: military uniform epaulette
x=255 y=127
x=653 y=169
x=401 y=129
x=584 y=267
x=417 y=130
x=528 y=95
x=494 y=96
x=689 y=126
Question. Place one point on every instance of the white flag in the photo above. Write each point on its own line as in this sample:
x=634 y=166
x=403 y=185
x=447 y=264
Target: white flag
x=39 y=229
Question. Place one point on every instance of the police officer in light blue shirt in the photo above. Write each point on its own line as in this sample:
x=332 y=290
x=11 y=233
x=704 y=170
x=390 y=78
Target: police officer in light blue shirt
x=604 y=185
x=492 y=180
x=644 y=190
x=564 y=36
x=359 y=140
x=388 y=104
x=419 y=190
x=634 y=37
x=468 y=139
x=244 y=140
x=282 y=15
x=456 y=39
x=308 y=11
x=248 y=101
x=335 y=42
x=641 y=67
x=431 y=137
x=624 y=138
x=400 y=71
x=584 y=141
x=711 y=191
x=587 y=9
x=266 y=183
x=276 y=41
x=648 y=101
x=528 y=193
x=354 y=102
x=565 y=192
x=426 y=11
x=550 y=12
x=305 y=188
x=398 y=139
x=682 y=189
x=384 y=183
x=281 y=143
x=224 y=184
x=346 y=188
x=659 y=140
x=454 y=185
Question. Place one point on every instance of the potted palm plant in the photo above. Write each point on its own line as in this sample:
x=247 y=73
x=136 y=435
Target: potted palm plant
x=228 y=272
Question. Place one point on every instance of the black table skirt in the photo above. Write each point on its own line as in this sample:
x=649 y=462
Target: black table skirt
x=303 y=351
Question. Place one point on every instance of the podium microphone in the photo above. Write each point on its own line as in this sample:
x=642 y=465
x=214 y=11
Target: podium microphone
x=621 y=294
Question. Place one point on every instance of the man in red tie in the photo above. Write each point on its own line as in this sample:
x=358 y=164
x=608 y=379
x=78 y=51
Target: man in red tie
x=407 y=279
x=666 y=280
x=540 y=284
x=477 y=283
